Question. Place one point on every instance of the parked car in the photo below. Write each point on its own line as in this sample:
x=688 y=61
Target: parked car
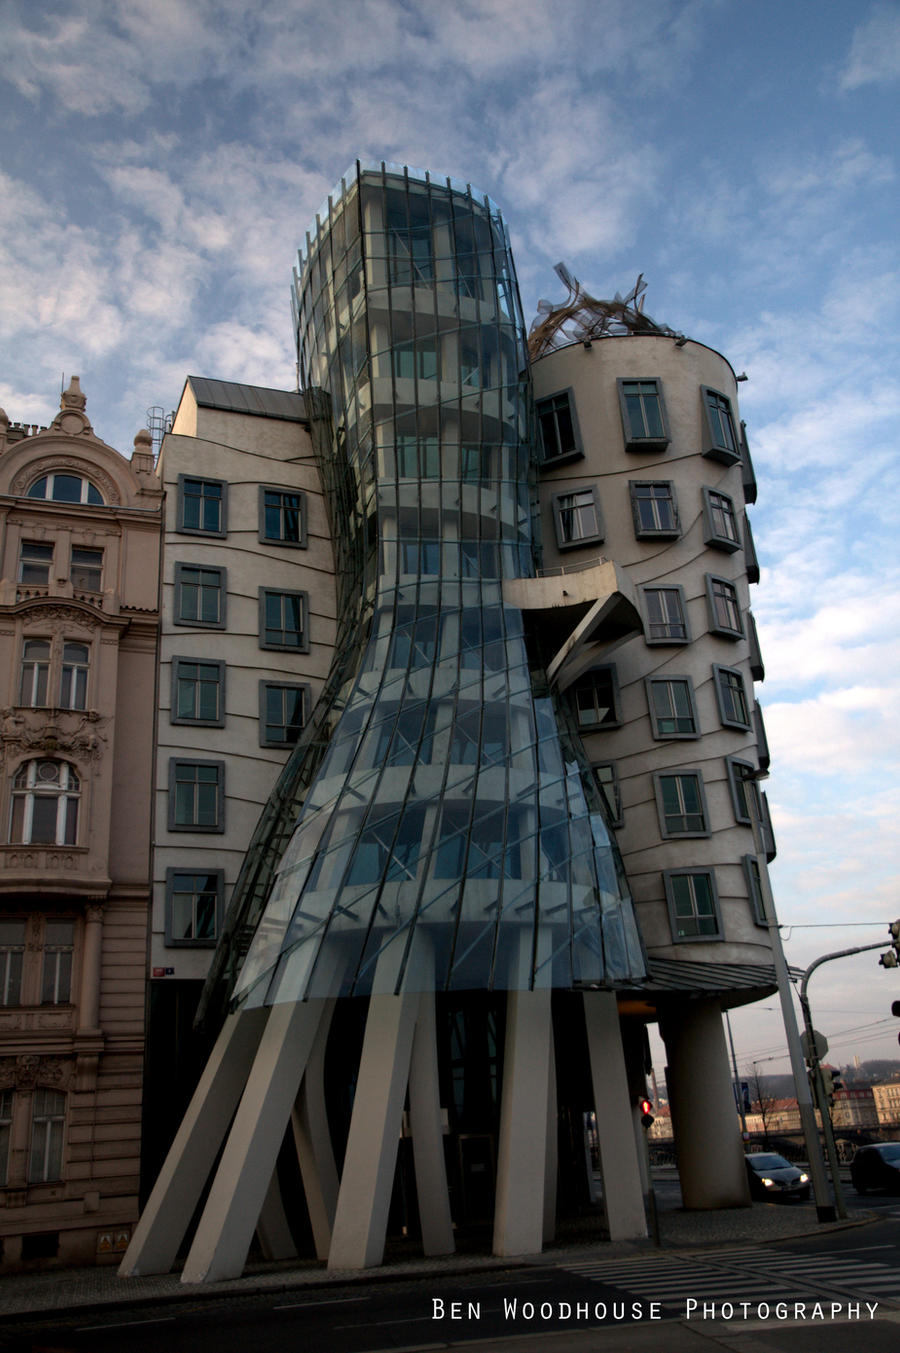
x=876 y=1167
x=771 y=1176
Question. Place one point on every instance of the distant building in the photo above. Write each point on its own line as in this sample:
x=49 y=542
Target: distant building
x=78 y=619
x=855 y=1107
x=887 y=1103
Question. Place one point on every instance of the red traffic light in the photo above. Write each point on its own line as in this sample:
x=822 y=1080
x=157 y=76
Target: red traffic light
x=646 y=1107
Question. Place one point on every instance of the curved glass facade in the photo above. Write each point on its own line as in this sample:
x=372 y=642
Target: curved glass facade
x=451 y=837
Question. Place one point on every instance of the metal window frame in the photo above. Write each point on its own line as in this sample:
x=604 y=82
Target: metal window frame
x=171 y=940
x=692 y=871
x=173 y=825
x=180 y=527
x=176 y=718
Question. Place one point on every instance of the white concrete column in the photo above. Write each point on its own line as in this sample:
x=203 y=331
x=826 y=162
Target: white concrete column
x=521 y=1162
x=427 y=1134
x=89 y=1001
x=192 y=1155
x=273 y=1230
x=236 y=1198
x=367 y=1180
x=619 y=1160
x=312 y=1138
x=707 y=1131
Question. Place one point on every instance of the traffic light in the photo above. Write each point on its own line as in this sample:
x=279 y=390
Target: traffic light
x=830 y=1083
x=892 y=958
x=895 y=1010
x=646 y=1107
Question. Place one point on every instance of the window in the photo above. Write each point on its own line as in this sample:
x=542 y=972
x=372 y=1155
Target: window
x=6 y=1105
x=745 y=798
x=577 y=518
x=757 y=666
x=86 y=569
x=198 y=692
x=654 y=509
x=200 y=595
x=282 y=713
x=282 y=620
x=724 y=608
x=681 y=803
x=608 y=780
x=48 y=1121
x=734 y=710
x=477 y=849
x=56 y=977
x=754 y=889
x=417 y=457
x=201 y=506
x=762 y=742
x=35 y=560
x=65 y=488
x=414 y=638
x=282 y=517
x=721 y=441
x=196 y=796
x=73 y=676
x=751 y=562
x=194 y=906
x=12 y=953
x=643 y=415
x=719 y=520
x=693 y=904
x=557 y=427
x=45 y=804
x=596 y=699
x=34 y=676
x=673 y=713
x=388 y=849
x=666 y=616
x=411 y=360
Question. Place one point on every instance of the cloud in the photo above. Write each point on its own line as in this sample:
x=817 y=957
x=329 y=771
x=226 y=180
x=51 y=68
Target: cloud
x=874 y=50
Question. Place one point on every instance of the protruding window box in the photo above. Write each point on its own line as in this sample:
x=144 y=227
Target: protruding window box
x=762 y=742
x=693 y=902
x=720 y=438
x=750 y=553
x=747 y=473
x=643 y=409
x=757 y=666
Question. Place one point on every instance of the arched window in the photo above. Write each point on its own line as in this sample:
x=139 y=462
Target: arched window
x=45 y=804
x=65 y=488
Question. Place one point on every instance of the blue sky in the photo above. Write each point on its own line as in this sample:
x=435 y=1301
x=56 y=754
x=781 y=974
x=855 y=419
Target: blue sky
x=161 y=159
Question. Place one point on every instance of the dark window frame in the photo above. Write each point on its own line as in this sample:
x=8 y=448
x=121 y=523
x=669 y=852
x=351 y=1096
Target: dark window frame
x=713 y=537
x=203 y=942
x=728 y=718
x=305 y=694
x=693 y=872
x=716 y=625
x=180 y=527
x=593 y=538
x=615 y=705
x=668 y=680
x=545 y=407
x=215 y=828
x=649 y=441
x=753 y=880
x=739 y=784
x=718 y=423
x=196 y=721
x=302 y=646
x=178 y=618
x=681 y=773
x=616 y=811
x=301 y=542
x=642 y=532
x=649 y=621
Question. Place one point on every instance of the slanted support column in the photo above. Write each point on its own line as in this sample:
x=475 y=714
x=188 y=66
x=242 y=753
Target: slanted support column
x=521 y=1163
x=622 y=1192
x=551 y=1162
x=427 y=1135
x=177 y=1191
x=273 y=1229
x=704 y=1119
x=360 y=1222
x=236 y=1198
x=312 y=1138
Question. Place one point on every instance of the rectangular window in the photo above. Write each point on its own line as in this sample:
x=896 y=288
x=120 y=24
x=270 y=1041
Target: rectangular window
x=744 y=787
x=194 y=906
x=415 y=360
x=199 y=596
x=417 y=457
x=673 y=713
x=654 y=509
x=282 y=713
x=282 y=517
x=6 y=1107
x=48 y=1121
x=596 y=699
x=73 y=676
x=666 y=617
x=198 y=692
x=693 y=904
x=643 y=415
x=721 y=441
x=56 y=977
x=35 y=673
x=720 y=521
x=86 y=571
x=12 y=953
x=557 y=427
x=35 y=560
x=196 y=796
x=608 y=780
x=201 y=506
x=724 y=607
x=734 y=709
x=681 y=803
x=577 y=518
x=754 y=888
x=282 y=620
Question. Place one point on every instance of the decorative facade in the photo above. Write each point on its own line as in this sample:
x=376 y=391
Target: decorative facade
x=79 y=618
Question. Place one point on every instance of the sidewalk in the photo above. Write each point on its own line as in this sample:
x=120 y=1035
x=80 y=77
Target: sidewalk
x=64 y=1289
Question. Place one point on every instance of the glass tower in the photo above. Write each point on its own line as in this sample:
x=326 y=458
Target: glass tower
x=452 y=836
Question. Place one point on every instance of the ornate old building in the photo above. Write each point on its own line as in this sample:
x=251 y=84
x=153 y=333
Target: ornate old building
x=78 y=631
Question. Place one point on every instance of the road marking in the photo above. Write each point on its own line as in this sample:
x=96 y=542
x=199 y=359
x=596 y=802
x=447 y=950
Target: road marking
x=124 y=1324
x=329 y=1301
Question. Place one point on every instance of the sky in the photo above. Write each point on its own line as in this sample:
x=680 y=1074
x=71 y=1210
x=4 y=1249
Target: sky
x=160 y=161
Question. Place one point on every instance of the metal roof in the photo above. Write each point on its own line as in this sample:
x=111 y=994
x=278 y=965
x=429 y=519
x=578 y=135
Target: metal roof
x=255 y=399
x=670 y=974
